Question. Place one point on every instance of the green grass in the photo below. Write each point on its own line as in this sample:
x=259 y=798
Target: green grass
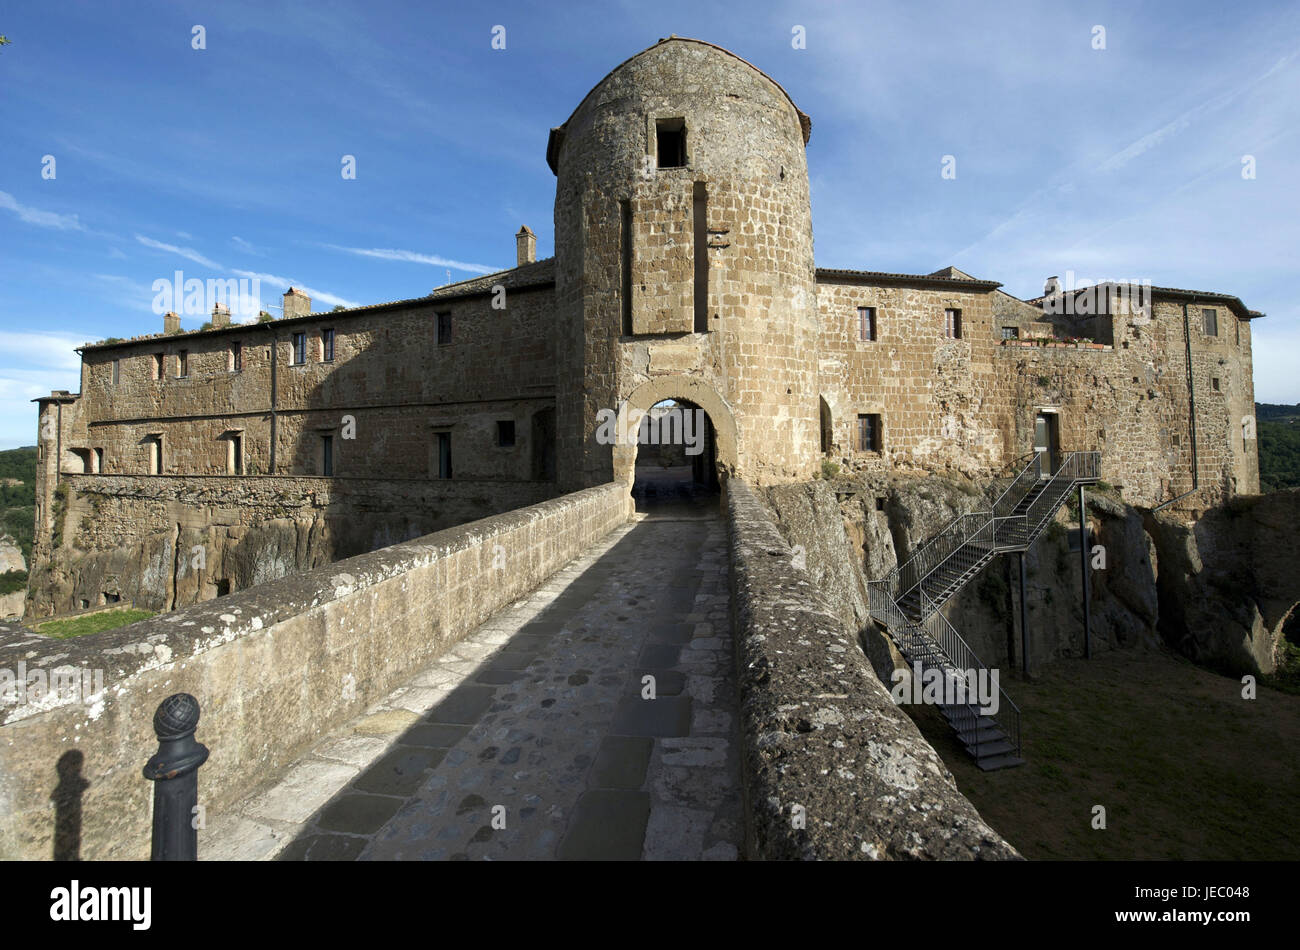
x=1185 y=767
x=92 y=623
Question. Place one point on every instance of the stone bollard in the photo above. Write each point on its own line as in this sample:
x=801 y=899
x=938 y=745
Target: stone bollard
x=175 y=771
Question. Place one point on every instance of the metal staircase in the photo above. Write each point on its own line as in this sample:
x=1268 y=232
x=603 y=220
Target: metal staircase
x=908 y=600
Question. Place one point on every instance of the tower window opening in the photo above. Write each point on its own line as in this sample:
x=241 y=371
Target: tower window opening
x=700 y=214
x=670 y=142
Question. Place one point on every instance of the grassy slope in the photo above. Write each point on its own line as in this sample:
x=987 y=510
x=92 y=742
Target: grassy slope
x=92 y=623
x=1185 y=767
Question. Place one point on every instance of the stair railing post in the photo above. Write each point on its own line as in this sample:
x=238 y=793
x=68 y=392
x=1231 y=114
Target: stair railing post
x=1083 y=565
x=174 y=770
x=1024 y=618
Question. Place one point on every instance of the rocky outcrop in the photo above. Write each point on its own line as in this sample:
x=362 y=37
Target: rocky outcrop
x=1229 y=581
x=11 y=555
x=834 y=769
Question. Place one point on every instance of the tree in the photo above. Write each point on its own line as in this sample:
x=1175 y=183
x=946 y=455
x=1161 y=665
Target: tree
x=4 y=41
x=337 y=308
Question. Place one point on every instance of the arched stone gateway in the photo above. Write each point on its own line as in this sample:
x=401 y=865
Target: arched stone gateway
x=687 y=389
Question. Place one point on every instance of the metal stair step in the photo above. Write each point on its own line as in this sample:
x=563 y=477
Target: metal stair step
x=993 y=763
x=990 y=750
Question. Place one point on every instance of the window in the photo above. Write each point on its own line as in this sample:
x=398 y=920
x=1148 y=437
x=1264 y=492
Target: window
x=99 y=461
x=444 y=454
x=1214 y=383
x=236 y=357
x=506 y=433
x=158 y=366
x=1210 y=322
x=952 y=324
x=155 y=455
x=117 y=372
x=327 y=455
x=869 y=433
x=299 y=348
x=183 y=363
x=866 y=324
x=444 y=329
x=670 y=142
x=1011 y=333
x=235 y=457
x=327 y=345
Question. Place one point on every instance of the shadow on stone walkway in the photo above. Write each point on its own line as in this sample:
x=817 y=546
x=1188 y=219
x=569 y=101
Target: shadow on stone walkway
x=594 y=719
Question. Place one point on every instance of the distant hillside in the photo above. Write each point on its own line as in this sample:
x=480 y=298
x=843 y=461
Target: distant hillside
x=18 y=502
x=1279 y=446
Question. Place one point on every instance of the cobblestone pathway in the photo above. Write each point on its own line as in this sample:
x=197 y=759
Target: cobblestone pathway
x=532 y=738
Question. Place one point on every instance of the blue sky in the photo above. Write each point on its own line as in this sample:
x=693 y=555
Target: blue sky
x=1123 y=162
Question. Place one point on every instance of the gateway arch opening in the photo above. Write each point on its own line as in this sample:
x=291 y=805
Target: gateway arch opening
x=676 y=455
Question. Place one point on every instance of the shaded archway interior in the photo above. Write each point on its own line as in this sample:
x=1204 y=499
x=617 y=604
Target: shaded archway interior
x=676 y=455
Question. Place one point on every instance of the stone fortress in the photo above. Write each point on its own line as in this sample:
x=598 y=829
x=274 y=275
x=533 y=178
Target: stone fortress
x=683 y=270
x=344 y=497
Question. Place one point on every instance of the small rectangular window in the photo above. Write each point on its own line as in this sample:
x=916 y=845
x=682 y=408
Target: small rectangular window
x=1011 y=333
x=866 y=324
x=327 y=455
x=183 y=363
x=952 y=324
x=299 y=348
x=444 y=454
x=155 y=455
x=327 y=345
x=158 y=365
x=99 y=460
x=1214 y=383
x=444 y=329
x=506 y=433
x=117 y=372
x=670 y=142
x=236 y=456
x=236 y=357
x=869 y=432
x=1210 y=321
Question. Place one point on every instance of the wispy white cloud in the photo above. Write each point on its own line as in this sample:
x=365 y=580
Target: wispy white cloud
x=276 y=281
x=43 y=219
x=39 y=349
x=414 y=257
x=244 y=245
x=186 y=252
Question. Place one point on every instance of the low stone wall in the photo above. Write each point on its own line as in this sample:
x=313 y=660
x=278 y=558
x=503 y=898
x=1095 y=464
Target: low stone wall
x=834 y=770
x=274 y=667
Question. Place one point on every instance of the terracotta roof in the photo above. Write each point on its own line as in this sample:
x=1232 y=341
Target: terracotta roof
x=556 y=138
x=965 y=282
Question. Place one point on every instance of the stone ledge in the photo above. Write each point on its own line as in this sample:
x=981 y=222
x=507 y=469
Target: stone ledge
x=820 y=732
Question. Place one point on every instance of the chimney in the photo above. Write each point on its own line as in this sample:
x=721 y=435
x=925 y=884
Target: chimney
x=296 y=303
x=1052 y=287
x=220 y=315
x=171 y=322
x=525 y=246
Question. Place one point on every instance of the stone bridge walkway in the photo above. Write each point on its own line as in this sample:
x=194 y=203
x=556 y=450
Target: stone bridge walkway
x=531 y=738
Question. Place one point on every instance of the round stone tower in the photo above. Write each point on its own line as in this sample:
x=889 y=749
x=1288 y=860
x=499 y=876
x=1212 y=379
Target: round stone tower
x=684 y=262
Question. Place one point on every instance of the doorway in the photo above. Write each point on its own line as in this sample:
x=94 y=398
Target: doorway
x=1047 y=441
x=676 y=456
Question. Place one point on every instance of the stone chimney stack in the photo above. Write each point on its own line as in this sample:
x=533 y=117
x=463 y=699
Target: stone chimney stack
x=296 y=303
x=526 y=246
x=1052 y=287
x=220 y=315
x=171 y=322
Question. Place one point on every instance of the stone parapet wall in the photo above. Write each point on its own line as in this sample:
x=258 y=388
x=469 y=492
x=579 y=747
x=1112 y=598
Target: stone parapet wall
x=823 y=744
x=274 y=668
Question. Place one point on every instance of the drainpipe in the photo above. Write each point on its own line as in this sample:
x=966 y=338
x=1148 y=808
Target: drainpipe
x=1191 y=403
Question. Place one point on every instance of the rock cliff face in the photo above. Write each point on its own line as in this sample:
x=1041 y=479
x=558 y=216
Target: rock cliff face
x=1217 y=591
x=11 y=559
x=1229 y=582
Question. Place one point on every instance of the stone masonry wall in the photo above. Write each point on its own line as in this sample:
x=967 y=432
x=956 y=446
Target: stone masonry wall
x=834 y=769
x=166 y=541
x=273 y=668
